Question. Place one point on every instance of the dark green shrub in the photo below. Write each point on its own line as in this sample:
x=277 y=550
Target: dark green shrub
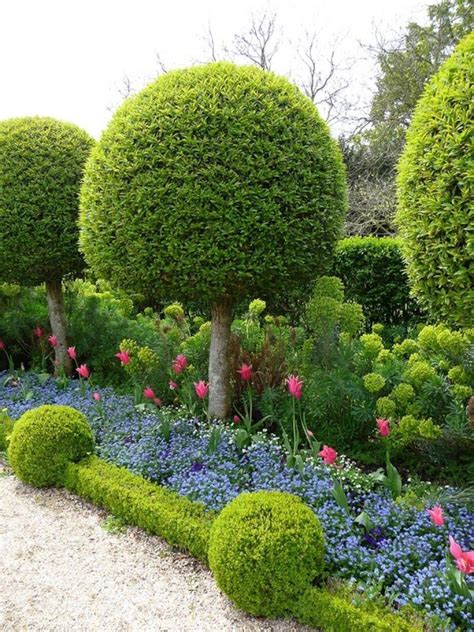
x=41 y=165
x=214 y=185
x=136 y=501
x=373 y=272
x=436 y=197
x=265 y=549
x=44 y=440
x=6 y=426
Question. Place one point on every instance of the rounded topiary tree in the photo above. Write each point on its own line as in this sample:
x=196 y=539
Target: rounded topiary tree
x=44 y=440
x=436 y=193
x=265 y=550
x=41 y=166
x=214 y=185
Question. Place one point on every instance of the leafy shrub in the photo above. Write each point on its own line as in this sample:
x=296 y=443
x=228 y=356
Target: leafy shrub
x=373 y=272
x=6 y=426
x=265 y=549
x=43 y=442
x=436 y=204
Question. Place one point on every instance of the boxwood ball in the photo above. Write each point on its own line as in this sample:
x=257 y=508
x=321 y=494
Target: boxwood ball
x=41 y=166
x=214 y=181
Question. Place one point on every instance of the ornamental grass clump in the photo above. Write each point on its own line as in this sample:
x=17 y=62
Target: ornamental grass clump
x=44 y=440
x=265 y=550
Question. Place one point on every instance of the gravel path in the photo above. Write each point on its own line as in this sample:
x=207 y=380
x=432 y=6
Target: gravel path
x=62 y=571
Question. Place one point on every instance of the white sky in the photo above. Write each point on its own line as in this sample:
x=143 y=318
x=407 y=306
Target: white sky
x=67 y=58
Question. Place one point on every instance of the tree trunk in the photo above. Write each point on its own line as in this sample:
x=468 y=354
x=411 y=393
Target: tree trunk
x=57 y=318
x=219 y=361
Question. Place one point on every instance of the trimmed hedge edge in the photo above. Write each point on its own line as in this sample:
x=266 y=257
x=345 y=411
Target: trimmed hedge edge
x=186 y=525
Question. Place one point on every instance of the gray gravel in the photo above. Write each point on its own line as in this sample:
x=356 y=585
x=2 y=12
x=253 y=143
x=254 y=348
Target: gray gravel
x=62 y=571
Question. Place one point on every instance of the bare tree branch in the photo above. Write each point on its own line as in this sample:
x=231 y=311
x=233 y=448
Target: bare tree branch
x=259 y=43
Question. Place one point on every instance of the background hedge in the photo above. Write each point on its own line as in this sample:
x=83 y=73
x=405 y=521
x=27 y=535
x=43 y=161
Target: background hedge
x=374 y=275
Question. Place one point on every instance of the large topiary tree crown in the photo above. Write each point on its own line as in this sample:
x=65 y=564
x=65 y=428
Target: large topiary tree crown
x=213 y=185
x=41 y=165
x=436 y=192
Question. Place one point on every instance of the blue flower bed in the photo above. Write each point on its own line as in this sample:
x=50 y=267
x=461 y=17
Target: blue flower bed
x=403 y=557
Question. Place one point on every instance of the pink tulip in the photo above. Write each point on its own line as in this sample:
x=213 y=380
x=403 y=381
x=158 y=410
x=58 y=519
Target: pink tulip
x=180 y=363
x=201 y=389
x=123 y=356
x=295 y=386
x=329 y=455
x=236 y=419
x=383 y=426
x=149 y=393
x=157 y=401
x=71 y=351
x=173 y=386
x=2 y=344
x=436 y=515
x=38 y=332
x=83 y=371
x=53 y=341
x=245 y=372
x=96 y=396
x=464 y=559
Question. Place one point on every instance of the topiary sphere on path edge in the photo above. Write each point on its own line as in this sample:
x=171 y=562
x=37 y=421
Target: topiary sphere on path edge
x=44 y=440
x=265 y=550
x=214 y=185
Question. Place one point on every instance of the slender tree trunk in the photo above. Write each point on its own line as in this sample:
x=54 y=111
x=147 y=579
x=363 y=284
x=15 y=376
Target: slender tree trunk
x=57 y=318
x=219 y=361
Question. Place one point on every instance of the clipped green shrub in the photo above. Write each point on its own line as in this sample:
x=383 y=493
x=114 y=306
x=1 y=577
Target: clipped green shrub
x=136 y=501
x=265 y=549
x=44 y=440
x=41 y=165
x=436 y=197
x=212 y=186
x=374 y=275
x=6 y=427
x=328 y=611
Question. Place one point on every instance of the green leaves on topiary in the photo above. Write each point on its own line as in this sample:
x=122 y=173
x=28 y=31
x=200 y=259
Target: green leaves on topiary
x=218 y=180
x=265 y=550
x=44 y=440
x=6 y=427
x=436 y=194
x=41 y=165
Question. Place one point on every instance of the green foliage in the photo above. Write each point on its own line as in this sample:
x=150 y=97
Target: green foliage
x=328 y=611
x=44 y=440
x=436 y=201
x=373 y=272
x=215 y=180
x=41 y=166
x=265 y=549
x=136 y=501
x=6 y=427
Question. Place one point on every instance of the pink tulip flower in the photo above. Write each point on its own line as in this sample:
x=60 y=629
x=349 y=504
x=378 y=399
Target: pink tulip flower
x=149 y=393
x=464 y=559
x=123 y=356
x=436 y=515
x=201 y=388
x=245 y=372
x=38 y=332
x=157 y=401
x=383 y=426
x=71 y=351
x=96 y=396
x=53 y=341
x=236 y=419
x=173 y=386
x=329 y=455
x=295 y=386
x=83 y=371
x=180 y=363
